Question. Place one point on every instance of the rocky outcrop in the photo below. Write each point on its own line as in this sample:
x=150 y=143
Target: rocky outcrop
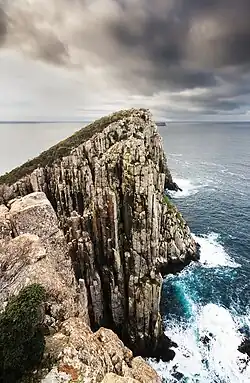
x=33 y=250
x=108 y=194
x=244 y=347
x=112 y=378
x=88 y=357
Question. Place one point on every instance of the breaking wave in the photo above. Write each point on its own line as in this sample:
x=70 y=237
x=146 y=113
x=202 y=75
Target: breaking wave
x=188 y=187
x=207 y=349
x=207 y=334
x=213 y=253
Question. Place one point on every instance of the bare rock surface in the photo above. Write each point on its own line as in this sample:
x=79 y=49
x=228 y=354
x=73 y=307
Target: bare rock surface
x=112 y=378
x=34 y=250
x=88 y=356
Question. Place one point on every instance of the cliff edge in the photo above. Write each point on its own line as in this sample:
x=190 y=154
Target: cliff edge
x=107 y=187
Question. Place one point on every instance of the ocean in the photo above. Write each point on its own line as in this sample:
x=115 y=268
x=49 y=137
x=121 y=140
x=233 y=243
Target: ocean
x=22 y=141
x=206 y=307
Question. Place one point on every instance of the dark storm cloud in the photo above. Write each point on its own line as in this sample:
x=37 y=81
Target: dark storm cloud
x=228 y=44
x=208 y=34
x=52 y=50
x=3 y=24
x=177 y=77
x=26 y=29
x=146 y=46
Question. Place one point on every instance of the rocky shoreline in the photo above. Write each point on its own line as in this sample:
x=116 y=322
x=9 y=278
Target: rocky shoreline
x=96 y=229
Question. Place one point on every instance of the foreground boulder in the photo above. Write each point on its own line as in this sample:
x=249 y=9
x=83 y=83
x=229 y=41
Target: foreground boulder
x=107 y=184
x=34 y=250
x=88 y=356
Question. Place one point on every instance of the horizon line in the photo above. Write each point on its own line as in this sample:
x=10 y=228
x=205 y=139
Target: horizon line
x=92 y=120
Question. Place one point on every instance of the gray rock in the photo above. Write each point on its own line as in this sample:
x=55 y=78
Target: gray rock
x=38 y=254
x=54 y=376
x=113 y=378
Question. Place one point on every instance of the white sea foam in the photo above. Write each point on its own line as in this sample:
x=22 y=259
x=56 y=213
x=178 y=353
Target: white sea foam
x=175 y=155
x=243 y=321
x=208 y=343
x=212 y=252
x=217 y=359
x=188 y=188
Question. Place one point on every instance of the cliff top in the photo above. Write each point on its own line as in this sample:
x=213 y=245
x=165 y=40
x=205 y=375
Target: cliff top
x=63 y=148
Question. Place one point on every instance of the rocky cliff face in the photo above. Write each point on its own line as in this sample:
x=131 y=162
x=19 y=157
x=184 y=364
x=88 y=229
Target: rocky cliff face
x=108 y=194
x=33 y=250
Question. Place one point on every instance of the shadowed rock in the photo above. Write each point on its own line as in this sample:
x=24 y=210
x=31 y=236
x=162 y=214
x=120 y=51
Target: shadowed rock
x=245 y=347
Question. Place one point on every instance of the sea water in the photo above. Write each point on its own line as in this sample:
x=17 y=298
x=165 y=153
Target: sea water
x=21 y=141
x=206 y=307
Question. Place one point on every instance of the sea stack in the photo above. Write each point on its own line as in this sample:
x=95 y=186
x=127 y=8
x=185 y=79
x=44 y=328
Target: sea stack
x=107 y=185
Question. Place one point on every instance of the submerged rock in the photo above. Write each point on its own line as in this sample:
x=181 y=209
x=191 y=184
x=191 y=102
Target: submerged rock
x=106 y=185
x=244 y=347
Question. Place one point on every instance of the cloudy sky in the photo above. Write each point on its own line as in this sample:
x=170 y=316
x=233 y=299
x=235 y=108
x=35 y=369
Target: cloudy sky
x=76 y=59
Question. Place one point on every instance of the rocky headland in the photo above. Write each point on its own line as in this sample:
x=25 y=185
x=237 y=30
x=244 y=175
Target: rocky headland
x=91 y=222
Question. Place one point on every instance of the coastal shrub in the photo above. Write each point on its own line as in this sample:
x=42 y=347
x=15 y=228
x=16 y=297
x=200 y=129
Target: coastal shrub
x=21 y=337
x=167 y=201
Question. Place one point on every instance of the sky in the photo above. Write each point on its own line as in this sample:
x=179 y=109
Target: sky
x=79 y=59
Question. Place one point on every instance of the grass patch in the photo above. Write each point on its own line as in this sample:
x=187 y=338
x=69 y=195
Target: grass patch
x=167 y=201
x=172 y=208
x=21 y=337
x=179 y=216
x=63 y=148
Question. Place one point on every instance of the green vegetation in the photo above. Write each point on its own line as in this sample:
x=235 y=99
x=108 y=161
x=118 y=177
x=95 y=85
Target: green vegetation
x=63 y=148
x=167 y=201
x=21 y=337
x=173 y=208
x=179 y=216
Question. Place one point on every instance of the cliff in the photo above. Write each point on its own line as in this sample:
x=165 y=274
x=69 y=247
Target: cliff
x=33 y=250
x=107 y=186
